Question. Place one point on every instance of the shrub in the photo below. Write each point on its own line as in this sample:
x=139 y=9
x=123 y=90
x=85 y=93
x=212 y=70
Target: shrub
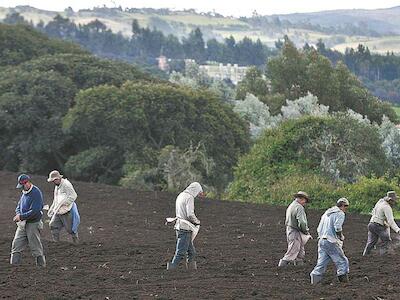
x=367 y=191
x=337 y=148
x=95 y=164
x=323 y=192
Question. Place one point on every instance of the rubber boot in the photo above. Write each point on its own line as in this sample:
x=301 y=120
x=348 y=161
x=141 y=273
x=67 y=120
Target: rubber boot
x=315 y=278
x=41 y=261
x=15 y=259
x=75 y=239
x=192 y=265
x=298 y=262
x=55 y=236
x=171 y=267
x=283 y=263
x=343 y=278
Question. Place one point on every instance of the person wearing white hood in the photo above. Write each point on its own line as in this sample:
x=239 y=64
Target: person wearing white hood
x=186 y=226
x=330 y=243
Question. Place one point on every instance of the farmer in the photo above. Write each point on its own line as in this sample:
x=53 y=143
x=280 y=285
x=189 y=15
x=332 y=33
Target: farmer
x=64 y=211
x=381 y=222
x=297 y=231
x=331 y=242
x=186 y=226
x=28 y=216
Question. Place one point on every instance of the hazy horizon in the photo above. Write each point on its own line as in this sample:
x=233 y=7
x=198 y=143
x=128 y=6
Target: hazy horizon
x=240 y=9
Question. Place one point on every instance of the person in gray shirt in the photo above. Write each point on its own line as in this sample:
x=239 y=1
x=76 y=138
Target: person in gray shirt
x=381 y=221
x=297 y=231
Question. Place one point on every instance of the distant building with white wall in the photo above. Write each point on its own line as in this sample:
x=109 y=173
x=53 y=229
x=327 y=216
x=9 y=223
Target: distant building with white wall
x=229 y=71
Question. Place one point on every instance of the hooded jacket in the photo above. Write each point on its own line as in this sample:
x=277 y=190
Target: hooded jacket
x=331 y=222
x=383 y=214
x=184 y=206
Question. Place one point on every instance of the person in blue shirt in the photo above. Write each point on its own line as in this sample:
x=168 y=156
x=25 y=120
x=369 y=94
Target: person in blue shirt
x=330 y=243
x=28 y=217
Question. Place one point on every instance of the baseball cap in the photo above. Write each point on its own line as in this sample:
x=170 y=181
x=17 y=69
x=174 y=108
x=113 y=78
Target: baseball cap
x=22 y=179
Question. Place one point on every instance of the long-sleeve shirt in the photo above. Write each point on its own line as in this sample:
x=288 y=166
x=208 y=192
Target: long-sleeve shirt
x=30 y=205
x=184 y=209
x=331 y=223
x=383 y=214
x=64 y=197
x=296 y=217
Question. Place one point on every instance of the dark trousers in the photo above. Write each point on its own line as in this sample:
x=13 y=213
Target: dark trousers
x=375 y=232
x=59 y=222
x=184 y=246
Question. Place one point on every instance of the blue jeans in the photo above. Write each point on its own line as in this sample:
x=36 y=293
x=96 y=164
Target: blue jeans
x=184 y=246
x=327 y=252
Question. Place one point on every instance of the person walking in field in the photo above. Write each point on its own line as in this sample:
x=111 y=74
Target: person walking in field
x=63 y=211
x=381 y=221
x=28 y=217
x=297 y=231
x=187 y=226
x=330 y=243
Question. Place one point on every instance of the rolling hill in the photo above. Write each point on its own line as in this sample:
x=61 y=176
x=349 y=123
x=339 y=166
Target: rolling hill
x=338 y=29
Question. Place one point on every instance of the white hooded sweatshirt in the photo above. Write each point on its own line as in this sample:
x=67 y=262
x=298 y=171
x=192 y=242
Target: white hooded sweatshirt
x=184 y=207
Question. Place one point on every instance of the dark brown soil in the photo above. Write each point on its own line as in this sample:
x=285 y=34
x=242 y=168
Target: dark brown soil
x=125 y=246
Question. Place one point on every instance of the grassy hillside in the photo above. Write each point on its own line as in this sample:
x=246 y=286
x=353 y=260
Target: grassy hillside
x=380 y=45
x=381 y=20
x=180 y=23
x=397 y=110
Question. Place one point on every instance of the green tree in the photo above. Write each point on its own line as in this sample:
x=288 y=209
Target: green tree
x=172 y=47
x=32 y=105
x=252 y=83
x=14 y=18
x=61 y=27
x=36 y=95
x=288 y=72
x=21 y=43
x=214 y=50
x=141 y=116
x=100 y=164
x=296 y=73
x=194 y=46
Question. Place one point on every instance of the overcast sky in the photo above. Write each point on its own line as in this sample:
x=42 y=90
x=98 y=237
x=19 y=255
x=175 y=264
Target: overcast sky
x=235 y=8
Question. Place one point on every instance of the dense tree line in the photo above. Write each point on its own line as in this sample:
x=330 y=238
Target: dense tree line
x=295 y=73
x=146 y=44
x=107 y=121
x=380 y=73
